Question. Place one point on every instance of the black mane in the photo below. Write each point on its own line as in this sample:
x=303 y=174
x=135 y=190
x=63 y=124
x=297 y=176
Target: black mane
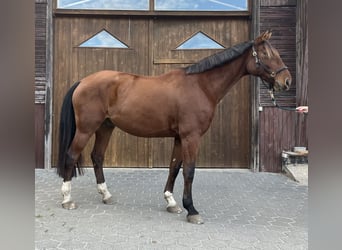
x=219 y=58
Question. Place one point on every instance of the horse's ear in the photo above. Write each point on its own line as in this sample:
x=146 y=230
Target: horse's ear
x=263 y=37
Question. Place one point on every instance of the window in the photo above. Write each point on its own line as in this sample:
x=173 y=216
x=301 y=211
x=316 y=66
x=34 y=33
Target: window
x=199 y=41
x=201 y=5
x=159 y=5
x=104 y=4
x=103 y=40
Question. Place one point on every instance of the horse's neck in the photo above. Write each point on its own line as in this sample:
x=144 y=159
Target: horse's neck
x=218 y=81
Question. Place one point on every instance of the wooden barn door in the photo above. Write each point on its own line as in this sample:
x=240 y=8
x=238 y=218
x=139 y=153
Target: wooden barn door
x=152 y=50
x=72 y=62
x=227 y=142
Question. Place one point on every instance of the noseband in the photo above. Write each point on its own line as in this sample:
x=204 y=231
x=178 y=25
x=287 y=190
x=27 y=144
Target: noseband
x=264 y=66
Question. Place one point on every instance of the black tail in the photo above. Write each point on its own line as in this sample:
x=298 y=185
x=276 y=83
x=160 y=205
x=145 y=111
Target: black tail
x=67 y=129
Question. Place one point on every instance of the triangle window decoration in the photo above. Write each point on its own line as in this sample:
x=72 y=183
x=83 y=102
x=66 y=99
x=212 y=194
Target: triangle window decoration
x=103 y=39
x=199 y=41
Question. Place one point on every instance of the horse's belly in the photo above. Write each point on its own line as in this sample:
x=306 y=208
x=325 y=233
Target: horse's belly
x=144 y=125
x=146 y=111
x=146 y=132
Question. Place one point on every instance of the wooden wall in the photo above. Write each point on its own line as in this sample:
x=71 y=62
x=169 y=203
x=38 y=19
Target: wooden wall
x=40 y=51
x=39 y=112
x=302 y=72
x=40 y=79
x=282 y=21
x=277 y=133
x=277 y=128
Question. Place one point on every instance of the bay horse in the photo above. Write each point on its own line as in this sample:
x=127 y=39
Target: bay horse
x=178 y=104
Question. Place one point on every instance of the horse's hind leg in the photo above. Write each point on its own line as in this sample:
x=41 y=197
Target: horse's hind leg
x=102 y=137
x=74 y=152
x=175 y=165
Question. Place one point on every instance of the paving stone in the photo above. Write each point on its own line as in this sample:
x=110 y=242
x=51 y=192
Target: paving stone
x=241 y=210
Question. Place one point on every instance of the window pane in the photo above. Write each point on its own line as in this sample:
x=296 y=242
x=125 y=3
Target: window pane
x=200 y=41
x=104 y=4
x=103 y=40
x=201 y=5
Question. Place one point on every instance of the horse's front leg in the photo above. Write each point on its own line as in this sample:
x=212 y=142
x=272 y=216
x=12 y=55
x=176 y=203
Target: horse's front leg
x=190 y=146
x=175 y=165
x=102 y=137
x=101 y=184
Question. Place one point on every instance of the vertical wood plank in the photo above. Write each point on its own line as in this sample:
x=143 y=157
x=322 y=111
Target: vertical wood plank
x=302 y=72
x=39 y=134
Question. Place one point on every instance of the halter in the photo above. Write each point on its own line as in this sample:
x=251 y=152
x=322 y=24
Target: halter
x=272 y=74
x=264 y=66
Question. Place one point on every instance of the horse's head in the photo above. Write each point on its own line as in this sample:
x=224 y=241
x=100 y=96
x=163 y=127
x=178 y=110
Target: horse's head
x=266 y=63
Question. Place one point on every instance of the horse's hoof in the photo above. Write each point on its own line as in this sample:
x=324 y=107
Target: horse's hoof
x=108 y=201
x=195 y=219
x=69 y=205
x=175 y=209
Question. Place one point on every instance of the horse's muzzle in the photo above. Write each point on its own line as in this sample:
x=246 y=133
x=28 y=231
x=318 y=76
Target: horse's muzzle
x=282 y=85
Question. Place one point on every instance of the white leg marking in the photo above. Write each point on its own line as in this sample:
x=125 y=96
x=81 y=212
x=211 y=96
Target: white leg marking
x=66 y=191
x=102 y=189
x=169 y=199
